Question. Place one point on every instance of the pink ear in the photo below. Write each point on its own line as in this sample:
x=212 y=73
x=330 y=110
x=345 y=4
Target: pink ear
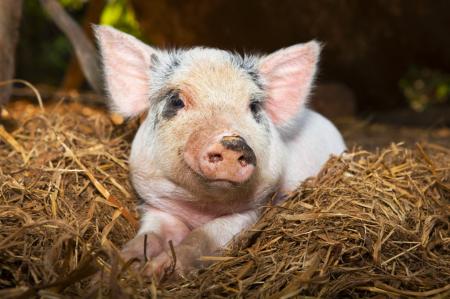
x=288 y=74
x=126 y=63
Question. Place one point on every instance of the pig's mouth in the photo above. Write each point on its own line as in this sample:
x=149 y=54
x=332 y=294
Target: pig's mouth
x=223 y=184
x=214 y=183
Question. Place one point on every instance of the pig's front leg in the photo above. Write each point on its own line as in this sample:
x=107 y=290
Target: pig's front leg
x=157 y=228
x=202 y=241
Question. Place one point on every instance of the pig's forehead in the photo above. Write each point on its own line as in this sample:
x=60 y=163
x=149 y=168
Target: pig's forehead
x=217 y=57
x=208 y=54
x=215 y=66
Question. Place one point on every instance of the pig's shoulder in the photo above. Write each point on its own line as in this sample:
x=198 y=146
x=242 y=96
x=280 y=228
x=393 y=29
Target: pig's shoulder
x=314 y=130
x=315 y=140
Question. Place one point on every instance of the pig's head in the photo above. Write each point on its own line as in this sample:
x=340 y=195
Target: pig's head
x=213 y=117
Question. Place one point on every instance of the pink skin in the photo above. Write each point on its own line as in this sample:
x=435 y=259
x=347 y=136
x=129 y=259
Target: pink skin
x=282 y=70
x=170 y=228
x=189 y=243
x=217 y=163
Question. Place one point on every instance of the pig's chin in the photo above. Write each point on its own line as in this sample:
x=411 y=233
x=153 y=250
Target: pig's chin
x=203 y=190
x=208 y=184
x=222 y=184
x=219 y=183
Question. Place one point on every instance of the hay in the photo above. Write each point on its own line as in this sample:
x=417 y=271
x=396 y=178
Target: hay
x=64 y=192
x=370 y=223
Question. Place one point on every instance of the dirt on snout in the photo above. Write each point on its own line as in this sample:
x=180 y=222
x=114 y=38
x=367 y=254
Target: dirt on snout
x=374 y=222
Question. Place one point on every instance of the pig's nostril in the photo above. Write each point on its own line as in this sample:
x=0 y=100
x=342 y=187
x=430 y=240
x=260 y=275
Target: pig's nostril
x=230 y=160
x=214 y=157
x=243 y=161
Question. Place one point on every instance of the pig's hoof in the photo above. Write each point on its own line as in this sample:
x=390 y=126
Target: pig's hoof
x=161 y=267
x=142 y=247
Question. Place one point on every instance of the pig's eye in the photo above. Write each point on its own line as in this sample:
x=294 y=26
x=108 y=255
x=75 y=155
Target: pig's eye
x=176 y=102
x=255 y=107
x=173 y=104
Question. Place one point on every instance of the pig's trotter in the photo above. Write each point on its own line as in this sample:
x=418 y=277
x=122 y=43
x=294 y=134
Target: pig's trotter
x=142 y=247
x=178 y=263
x=157 y=229
x=160 y=267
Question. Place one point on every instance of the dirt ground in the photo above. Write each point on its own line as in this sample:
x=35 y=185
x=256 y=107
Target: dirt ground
x=371 y=136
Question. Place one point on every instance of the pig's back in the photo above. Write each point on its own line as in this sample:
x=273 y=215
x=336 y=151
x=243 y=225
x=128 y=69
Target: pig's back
x=310 y=148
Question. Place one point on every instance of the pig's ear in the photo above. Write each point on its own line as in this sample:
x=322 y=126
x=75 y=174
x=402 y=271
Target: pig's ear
x=288 y=75
x=126 y=63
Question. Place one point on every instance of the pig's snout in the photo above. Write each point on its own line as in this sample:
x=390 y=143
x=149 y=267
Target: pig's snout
x=228 y=158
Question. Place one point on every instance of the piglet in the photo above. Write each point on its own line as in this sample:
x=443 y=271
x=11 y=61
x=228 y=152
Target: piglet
x=223 y=133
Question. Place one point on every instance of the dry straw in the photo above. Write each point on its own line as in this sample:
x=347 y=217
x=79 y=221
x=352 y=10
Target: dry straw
x=370 y=224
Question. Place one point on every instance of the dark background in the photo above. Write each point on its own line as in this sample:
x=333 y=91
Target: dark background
x=389 y=53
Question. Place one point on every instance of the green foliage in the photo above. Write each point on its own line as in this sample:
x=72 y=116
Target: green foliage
x=423 y=87
x=119 y=14
x=43 y=51
x=73 y=4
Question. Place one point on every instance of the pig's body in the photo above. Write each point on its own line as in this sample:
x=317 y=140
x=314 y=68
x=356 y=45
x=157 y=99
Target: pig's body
x=223 y=134
x=307 y=151
x=173 y=212
x=301 y=156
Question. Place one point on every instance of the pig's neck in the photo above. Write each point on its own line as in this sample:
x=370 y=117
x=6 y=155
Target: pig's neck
x=165 y=195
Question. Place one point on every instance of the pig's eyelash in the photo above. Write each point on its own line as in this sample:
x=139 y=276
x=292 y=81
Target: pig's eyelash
x=173 y=98
x=172 y=104
x=254 y=107
x=257 y=99
x=176 y=101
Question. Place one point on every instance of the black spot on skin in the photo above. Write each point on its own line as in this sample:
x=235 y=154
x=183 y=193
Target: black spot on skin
x=254 y=74
x=238 y=144
x=173 y=65
x=248 y=64
x=176 y=61
x=256 y=109
x=154 y=62
x=154 y=59
x=163 y=68
x=173 y=104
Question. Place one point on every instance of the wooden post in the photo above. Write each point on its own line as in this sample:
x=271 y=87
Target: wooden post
x=10 y=14
x=84 y=48
x=73 y=78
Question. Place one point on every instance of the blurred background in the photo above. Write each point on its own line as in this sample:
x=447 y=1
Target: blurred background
x=384 y=61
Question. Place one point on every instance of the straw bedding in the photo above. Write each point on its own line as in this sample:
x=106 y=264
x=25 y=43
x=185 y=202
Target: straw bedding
x=371 y=224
